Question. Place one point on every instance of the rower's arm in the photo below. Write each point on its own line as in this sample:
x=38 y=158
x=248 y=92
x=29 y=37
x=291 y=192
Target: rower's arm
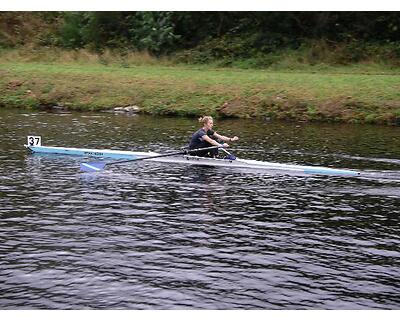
x=225 y=138
x=209 y=140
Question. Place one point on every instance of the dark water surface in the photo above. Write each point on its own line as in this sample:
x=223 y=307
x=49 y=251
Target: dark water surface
x=157 y=236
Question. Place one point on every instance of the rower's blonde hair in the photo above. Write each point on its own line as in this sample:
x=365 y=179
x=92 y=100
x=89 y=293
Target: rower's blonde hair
x=203 y=120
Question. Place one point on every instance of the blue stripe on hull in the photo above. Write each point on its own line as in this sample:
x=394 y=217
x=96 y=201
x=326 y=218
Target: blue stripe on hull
x=82 y=152
x=328 y=171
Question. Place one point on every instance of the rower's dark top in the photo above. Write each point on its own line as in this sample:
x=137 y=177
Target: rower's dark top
x=197 y=139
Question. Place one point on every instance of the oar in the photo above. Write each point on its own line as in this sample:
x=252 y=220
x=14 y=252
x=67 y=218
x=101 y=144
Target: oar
x=97 y=166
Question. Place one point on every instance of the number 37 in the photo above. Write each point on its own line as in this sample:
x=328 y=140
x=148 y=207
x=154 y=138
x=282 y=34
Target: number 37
x=34 y=141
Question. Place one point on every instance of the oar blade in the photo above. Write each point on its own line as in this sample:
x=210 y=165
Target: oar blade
x=92 y=166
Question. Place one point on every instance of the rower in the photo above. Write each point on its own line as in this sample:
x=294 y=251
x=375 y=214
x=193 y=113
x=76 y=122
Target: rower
x=207 y=137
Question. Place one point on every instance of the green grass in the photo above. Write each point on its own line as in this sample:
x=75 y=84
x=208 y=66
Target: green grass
x=332 y=94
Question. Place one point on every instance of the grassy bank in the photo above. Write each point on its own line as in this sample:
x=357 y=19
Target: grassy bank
x=354 y=94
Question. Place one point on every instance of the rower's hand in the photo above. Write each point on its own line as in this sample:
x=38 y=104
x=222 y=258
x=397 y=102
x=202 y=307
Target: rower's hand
x=235 y=138
x=225 y=145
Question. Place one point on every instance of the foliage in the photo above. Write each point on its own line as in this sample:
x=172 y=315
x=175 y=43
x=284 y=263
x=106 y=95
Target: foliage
x=255 y=39
x=147 y=31
x=152 y=32
x=71 y=31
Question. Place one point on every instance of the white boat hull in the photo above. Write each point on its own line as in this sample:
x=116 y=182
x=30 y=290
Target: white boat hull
x=192 y=160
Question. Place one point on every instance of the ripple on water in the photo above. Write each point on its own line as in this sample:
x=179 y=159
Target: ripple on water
x=156 y=236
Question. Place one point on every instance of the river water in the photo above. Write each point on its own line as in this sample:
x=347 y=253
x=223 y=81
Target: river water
x=157 y=236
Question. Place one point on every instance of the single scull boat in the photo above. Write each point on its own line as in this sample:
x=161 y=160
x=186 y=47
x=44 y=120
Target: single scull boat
x=35 y=147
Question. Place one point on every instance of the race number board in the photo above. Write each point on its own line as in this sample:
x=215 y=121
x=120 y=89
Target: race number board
x=34 y=141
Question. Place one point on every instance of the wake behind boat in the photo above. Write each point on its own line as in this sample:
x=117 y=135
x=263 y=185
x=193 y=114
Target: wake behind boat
x=183 y=157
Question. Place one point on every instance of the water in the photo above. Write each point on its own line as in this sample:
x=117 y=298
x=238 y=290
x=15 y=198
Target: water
x=157 y=236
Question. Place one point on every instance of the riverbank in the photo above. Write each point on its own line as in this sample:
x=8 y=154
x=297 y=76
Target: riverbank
x=330 y=94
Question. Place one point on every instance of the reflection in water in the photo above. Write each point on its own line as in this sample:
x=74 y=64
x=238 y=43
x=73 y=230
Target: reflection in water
x=157 y=236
